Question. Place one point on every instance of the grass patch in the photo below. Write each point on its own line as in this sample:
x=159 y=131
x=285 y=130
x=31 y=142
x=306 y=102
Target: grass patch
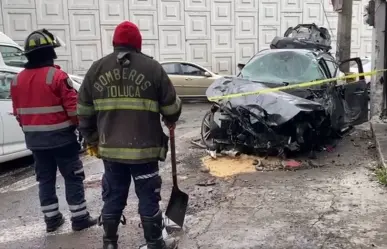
x=381 y=175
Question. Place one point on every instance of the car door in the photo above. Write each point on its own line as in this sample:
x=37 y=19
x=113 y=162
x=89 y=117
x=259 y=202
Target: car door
x=174 y=73
x=13 y=136
x=197 y=80
x=354 y=95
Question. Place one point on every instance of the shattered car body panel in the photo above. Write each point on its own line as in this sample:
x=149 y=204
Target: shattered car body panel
x=282 y=121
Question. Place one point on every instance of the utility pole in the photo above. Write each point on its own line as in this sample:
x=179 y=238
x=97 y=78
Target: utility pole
x=344 y=29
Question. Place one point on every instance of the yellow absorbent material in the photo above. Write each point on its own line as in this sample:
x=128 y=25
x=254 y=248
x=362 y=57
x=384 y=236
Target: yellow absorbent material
x=229 y=166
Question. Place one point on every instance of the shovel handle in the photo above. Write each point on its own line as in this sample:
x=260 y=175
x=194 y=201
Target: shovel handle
x=173 y=155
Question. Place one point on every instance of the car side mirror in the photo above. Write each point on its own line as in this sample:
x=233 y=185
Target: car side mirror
x=207 y=74
x=241 y=66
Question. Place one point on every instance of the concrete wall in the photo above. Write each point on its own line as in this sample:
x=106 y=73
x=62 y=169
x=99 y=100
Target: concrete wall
x=378 y=59
x=214 y=33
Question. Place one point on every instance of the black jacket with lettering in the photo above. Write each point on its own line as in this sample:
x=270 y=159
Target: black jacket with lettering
x=119 y=107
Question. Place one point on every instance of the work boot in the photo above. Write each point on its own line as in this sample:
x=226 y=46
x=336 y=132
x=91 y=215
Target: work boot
x=110 y=236
x=78 y=225
x=54 y=223
x=153 y=233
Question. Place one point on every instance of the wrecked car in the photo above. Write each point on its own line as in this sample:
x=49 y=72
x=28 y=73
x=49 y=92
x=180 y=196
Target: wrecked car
x=282 y=122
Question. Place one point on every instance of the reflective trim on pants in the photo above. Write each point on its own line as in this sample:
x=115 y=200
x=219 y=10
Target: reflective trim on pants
x=51 y=210
x=53 y=127
x=146 y=176
x=79 y=171
x=40 y=110
x=78 y=210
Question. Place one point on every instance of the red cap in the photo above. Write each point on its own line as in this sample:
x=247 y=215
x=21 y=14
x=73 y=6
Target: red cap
x=127 y=34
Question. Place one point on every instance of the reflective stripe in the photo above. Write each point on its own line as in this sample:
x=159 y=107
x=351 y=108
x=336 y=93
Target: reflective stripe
x=133 y=154
x=40 y=110
x=72 y=113
x=51 y=214
x=50 y=75
x=77 y=207
x=50 y=207
x=147 y=176
x=80 y=213
x=84 y=110
x=29 y=128
x=79 y=171
x=171 y=109
x=126 y=104
x=157 y=190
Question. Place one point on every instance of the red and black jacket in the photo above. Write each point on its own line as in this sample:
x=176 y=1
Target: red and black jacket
x=44 y=103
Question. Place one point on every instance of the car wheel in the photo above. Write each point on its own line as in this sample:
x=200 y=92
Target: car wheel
x=205 y=130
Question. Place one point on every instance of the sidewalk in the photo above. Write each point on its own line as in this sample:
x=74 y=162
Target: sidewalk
x=379 y=131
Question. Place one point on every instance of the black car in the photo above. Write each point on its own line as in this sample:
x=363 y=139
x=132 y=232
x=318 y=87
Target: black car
x=288 y=120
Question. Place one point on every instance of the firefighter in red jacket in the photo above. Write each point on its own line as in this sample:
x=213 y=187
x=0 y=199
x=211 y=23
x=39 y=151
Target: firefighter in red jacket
x=119 y=107
x=44 y=103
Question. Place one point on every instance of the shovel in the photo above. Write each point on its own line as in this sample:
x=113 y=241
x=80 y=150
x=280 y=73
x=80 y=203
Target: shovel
x=178 y=202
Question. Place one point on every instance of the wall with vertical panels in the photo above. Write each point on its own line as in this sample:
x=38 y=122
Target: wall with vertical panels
x=214 y=33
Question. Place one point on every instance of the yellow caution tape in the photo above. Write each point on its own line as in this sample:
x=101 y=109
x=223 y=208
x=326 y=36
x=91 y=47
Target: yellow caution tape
x=299 y=85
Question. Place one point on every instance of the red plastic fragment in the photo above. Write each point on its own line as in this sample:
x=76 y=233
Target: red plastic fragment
x=291 y=164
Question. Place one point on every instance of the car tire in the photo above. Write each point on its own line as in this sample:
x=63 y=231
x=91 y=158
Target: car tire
x=205 y=130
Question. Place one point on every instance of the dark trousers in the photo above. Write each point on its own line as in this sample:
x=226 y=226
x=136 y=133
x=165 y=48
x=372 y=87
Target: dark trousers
x=65 y=158
x=115 y=188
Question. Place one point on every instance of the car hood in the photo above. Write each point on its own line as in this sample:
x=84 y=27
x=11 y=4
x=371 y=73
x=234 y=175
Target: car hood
x=279 y=106
x=77 y=80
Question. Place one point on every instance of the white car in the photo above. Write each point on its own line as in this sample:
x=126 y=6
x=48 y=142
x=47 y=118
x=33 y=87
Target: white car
x=12 y=141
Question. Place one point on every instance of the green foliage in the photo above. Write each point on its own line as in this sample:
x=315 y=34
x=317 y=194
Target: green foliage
x=381 y=174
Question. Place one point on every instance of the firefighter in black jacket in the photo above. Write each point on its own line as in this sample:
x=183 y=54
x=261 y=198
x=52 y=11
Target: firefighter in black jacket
x=119 y=107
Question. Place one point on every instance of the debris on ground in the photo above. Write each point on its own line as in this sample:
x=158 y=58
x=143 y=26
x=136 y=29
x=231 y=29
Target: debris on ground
x=227 y=166
x=198 y=143
x=206 y=182
x=291 y=164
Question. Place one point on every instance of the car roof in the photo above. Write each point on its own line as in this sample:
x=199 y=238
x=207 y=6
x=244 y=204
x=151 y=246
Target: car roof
x=279 y=50
x=179 y=61
x=6 y=40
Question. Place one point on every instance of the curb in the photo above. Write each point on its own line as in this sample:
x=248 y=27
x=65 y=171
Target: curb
x=382 y=160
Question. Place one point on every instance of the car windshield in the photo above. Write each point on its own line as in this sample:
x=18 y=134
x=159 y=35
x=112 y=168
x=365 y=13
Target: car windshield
x=289 y=67
x=12 y=56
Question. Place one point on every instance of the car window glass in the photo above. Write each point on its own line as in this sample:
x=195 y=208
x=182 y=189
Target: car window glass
x=191 y=70
x=5 y=84
x=332 y=67
x=171 y=68
x=283 y=67
x=12 y=56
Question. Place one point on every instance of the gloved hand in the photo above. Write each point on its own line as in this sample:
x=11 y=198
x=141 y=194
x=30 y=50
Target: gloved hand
x=92 y=151
x=170 y=125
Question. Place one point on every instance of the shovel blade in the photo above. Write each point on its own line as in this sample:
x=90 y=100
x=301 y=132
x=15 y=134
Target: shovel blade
x=177 y=206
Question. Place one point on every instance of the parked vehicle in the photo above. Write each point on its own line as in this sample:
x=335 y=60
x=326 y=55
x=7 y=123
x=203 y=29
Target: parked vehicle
x=190 y=80
x=12 y=141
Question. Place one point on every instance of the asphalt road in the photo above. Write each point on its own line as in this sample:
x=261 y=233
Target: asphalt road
x=335 y=205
